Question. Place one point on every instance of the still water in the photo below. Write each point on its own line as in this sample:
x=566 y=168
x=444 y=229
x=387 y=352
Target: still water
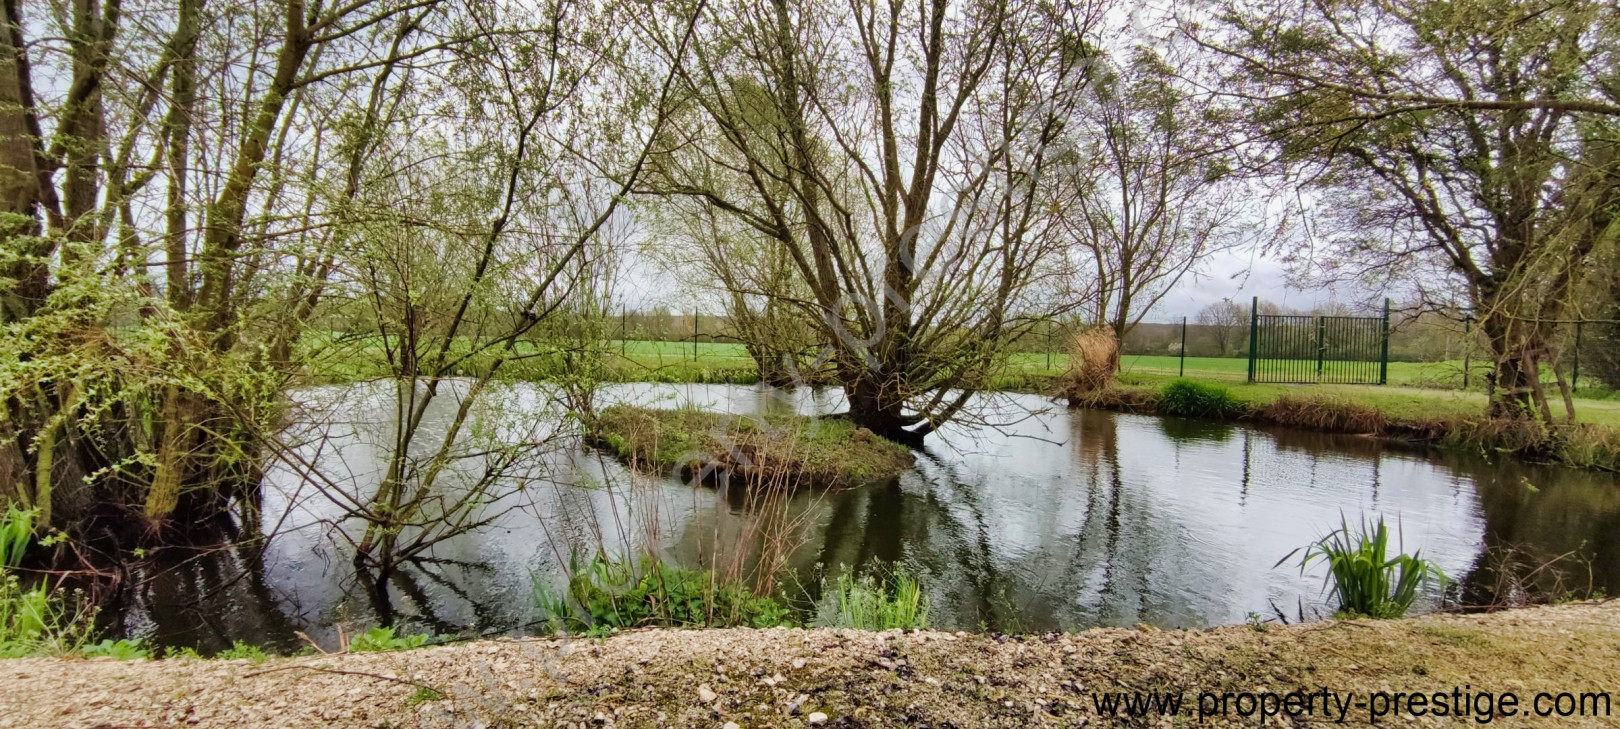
x=1042 y=519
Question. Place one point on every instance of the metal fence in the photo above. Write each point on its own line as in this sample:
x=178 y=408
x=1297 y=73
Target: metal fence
x=1311 y=349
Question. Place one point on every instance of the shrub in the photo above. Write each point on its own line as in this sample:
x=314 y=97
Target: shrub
x=1192 y=399
x=609 y=594
x=1093 y=356
x=1366 y=580
x=869 y=602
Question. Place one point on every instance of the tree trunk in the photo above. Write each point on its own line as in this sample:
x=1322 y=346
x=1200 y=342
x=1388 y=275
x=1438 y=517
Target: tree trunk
x=875 y=404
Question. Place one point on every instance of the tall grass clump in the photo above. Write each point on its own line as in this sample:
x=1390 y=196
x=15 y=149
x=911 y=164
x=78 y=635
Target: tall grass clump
x=1192 y=399
x=870 y=602
x=1365 y=579
x=16 y=528
x=1093 y=357
x=609 y=594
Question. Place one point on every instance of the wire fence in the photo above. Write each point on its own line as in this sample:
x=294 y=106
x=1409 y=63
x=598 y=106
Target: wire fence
x=1431 y=351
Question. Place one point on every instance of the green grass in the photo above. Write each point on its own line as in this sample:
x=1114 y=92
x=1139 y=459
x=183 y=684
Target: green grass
x=790 y=449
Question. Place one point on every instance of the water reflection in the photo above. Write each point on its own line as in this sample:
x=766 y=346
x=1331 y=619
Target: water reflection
x=1064 y=520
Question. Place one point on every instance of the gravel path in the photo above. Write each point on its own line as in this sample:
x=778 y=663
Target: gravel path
x=791 y=677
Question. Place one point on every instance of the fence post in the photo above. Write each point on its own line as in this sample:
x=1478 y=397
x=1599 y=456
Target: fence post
x=694 y=334
x=1254 y=332
x=1049 y=346
x=1183 y=371
x=624 y=327
x=1468 y=349
x=1575 y=379
x=1383 y=353
x=1321 y=345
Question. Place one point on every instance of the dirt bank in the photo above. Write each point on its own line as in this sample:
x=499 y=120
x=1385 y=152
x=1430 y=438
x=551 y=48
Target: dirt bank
x=784 y=677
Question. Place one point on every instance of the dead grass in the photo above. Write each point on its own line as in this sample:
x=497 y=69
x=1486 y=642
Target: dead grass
x=1317 y=412
x=780 y=677
x=1093 y=357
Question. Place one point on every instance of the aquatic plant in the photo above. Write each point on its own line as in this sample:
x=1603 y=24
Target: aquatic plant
x=1194 y=399
x=609 y=594
x=123 y=650
x=874 y=601
x=383 y=640
x=240 y=651
x=1365 y=579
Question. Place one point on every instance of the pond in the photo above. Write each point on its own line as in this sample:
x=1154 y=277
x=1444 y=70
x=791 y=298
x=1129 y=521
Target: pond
x=1038 y=519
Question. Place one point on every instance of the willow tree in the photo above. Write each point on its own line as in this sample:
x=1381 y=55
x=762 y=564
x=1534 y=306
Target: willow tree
x=904 y=164
x=166 y=169
x=1462 y=148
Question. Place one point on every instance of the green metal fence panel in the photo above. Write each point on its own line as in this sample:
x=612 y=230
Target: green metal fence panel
x=1315 y=349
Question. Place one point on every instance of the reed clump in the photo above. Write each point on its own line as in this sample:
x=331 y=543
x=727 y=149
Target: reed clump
x=1367 y=579
x=874 y=600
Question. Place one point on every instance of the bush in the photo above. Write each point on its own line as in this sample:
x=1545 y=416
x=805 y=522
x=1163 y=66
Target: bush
x=613 y=595
x=1366 y=581
x=1192 y=399
x=870 y=603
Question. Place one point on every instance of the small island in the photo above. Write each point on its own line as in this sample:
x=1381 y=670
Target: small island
x=778 y=449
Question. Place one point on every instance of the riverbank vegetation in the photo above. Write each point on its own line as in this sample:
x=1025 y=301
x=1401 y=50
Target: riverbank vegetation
x=790 y=449
x=1449 y=422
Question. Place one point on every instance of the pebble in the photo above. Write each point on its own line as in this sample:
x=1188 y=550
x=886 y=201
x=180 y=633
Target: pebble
x=706 y=694
x=817 y=717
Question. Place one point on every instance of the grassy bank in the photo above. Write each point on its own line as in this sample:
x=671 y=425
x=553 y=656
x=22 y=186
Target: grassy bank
x=1447 y=418
x=792 y=450
x=793 y=677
